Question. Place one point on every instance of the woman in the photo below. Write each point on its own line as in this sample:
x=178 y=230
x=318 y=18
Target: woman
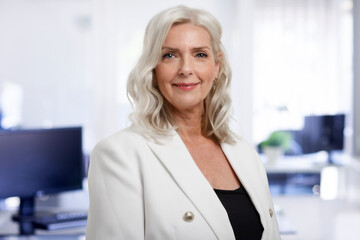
x=179 y=172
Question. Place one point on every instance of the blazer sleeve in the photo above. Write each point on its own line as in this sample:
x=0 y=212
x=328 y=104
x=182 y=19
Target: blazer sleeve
x=116 y=208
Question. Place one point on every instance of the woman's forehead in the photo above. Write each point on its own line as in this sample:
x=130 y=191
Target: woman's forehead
x=188 y=34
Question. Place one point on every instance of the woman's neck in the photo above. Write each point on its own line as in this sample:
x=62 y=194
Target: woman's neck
x=189 y=123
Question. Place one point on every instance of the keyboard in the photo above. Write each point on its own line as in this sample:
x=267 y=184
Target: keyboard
x=61 y=220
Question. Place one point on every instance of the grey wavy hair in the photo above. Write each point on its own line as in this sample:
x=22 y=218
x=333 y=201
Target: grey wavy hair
x=152 y=113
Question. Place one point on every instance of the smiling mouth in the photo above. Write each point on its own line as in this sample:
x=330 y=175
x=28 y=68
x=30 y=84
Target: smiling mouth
x=185 y=84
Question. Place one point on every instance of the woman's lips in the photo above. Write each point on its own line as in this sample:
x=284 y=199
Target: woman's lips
x=186 y=86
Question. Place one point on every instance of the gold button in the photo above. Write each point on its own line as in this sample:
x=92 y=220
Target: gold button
x=271 y=212
x=188 y=216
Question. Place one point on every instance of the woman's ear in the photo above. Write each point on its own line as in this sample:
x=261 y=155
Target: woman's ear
x=218 y=62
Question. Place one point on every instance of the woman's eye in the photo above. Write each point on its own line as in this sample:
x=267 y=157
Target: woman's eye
x=168 y=55
x=201 y=55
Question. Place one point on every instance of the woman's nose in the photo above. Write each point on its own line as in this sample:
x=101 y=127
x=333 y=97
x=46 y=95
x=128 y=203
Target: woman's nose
x=186 y=67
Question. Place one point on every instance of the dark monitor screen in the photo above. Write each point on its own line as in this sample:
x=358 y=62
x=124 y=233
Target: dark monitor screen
x=323 y=133
x=34 y=162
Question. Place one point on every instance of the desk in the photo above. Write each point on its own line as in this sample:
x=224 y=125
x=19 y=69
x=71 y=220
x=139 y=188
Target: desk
x=318 y=219
x=315 y=217
x=308 y=163
x=68 y=201
x=9 y=229
x=307 y=174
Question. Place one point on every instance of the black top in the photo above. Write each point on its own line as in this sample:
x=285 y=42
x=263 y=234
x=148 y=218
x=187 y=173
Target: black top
x=244 y=218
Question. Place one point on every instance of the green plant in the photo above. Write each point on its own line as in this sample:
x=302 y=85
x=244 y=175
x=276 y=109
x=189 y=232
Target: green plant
x=278 y=139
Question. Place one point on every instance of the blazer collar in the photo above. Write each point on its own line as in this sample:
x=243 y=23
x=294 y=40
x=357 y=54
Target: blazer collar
x=178 y=161
x=242 y=159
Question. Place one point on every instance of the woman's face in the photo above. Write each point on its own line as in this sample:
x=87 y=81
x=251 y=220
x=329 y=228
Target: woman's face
x=187 y=68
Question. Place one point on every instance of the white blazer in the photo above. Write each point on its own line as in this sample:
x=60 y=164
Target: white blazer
x=140 y=189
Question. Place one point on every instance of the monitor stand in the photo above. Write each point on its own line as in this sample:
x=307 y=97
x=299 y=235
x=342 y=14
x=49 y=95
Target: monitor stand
x=330 y=159
x=25 y=216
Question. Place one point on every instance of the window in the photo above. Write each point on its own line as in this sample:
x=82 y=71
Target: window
x=302 y=62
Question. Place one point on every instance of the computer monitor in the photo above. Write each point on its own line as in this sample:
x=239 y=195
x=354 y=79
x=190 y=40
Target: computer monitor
x=39 y=161
x=323 y=133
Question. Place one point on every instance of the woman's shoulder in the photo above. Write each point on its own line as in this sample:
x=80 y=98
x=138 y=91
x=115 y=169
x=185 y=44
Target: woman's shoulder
x=242 y=147
x=124 y=149
x=126 y=138
x=240 y=142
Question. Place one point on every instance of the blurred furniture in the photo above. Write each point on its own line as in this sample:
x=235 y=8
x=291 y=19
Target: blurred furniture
x=304 y=174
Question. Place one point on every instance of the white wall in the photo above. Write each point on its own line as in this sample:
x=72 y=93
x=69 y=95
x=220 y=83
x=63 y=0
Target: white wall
x=45 y=49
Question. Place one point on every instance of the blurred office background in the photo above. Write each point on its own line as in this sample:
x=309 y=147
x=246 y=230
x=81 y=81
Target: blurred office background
x=65 y=63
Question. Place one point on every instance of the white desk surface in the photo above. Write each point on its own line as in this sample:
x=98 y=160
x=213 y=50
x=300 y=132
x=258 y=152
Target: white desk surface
x=317 y=219
x=310 y=163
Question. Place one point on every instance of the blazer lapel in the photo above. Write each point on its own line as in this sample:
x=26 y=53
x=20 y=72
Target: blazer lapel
x=243 y=161
x=178 y=161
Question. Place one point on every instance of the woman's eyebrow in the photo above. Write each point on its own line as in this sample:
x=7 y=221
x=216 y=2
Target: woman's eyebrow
x=194 y=49
x=170 y=49
x=201 y=48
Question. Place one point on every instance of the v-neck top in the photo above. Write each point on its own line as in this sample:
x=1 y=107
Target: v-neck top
x=244 y=218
